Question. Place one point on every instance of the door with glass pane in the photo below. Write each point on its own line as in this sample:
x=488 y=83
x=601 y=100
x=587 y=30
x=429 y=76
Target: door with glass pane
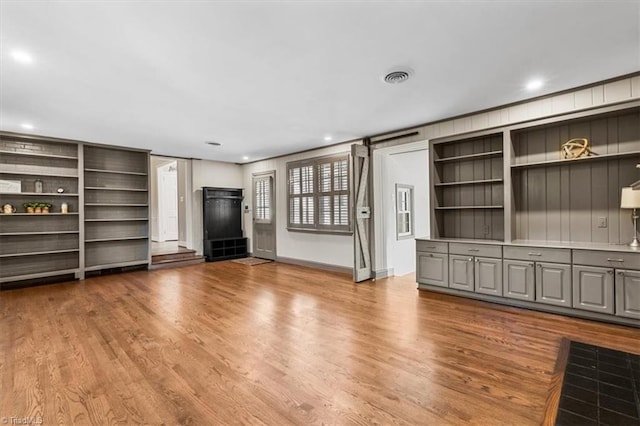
x=264 y=229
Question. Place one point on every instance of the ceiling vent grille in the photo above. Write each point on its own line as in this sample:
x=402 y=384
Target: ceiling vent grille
x=213 y=143
x=396 y=77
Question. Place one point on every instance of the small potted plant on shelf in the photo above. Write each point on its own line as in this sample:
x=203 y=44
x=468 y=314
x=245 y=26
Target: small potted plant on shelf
x=30 y=207
x=44 y=207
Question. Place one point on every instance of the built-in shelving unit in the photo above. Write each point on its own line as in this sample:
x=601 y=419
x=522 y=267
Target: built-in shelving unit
x=116 y=204
x=35 y=245
x=468 y=187
x=557 y=240
x=568 y=200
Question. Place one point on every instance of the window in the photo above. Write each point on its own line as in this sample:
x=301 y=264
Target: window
x=318 y=194
x=262 y=203
x=404 y=211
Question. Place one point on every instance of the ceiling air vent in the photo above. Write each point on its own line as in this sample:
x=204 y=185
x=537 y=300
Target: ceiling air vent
x=397 y=76
x=213 y=143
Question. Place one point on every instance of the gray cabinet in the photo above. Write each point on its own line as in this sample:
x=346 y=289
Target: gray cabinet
x=519 y=280
x=553 y=284
x=593 y=289
x=488 y=276
x=627 y=289
x=461 y=272
x=432 y=268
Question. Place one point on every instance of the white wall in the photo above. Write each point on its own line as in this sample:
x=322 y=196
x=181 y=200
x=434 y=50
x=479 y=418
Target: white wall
x=334 y=250
x=215 y=174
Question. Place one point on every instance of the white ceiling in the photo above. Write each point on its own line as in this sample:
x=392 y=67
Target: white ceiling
x=269 y=78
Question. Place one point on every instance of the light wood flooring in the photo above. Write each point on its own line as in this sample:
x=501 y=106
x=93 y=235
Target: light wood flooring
x=225 y=343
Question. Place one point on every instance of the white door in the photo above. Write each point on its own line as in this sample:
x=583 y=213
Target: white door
x=168 y=203
x=264 y=229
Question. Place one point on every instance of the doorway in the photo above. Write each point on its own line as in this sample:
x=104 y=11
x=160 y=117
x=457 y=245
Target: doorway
x=170 y=205
x=264 y=228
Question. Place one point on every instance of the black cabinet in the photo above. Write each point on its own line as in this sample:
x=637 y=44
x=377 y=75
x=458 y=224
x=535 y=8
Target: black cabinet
x=222 y=223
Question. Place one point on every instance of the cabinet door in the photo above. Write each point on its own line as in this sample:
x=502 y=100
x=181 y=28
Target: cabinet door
x=432 y=268
x=461 y=272
x=519 y=280
x=553 y=283
x=488 y=276
x=593 y=289
x=628 y=293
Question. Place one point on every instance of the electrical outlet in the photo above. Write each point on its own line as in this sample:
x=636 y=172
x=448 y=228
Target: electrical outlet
x=602 y=222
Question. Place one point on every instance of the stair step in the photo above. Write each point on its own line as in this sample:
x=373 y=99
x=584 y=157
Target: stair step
x=170 y=263
x=178 y=255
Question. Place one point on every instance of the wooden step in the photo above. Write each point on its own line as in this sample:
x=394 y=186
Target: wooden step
x=182 y=254
x=173 y=263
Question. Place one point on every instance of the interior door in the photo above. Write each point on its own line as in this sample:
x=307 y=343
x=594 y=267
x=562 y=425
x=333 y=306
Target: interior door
x=264 y=229
x=362 y=213
x=168 y=214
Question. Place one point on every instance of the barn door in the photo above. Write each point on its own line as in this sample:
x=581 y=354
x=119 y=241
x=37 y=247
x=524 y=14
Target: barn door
x=362 y=213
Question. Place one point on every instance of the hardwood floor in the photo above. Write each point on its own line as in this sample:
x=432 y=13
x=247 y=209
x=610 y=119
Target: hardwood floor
x=225 y=343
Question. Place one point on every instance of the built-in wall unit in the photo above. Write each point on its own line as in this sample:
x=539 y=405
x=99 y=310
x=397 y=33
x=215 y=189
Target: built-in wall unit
x=69 y=208
x=516 y=220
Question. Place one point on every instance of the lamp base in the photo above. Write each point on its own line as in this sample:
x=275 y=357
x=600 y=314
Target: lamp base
x=634 y=243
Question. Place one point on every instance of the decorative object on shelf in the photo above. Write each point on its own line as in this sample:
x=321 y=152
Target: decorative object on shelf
x=60 y=190
x=38 y=186
x=44 y=207
x=10 y=185
x=64 y=208
x=30 y=207
x=8 y=209
x=630 y=199
x=576 y=148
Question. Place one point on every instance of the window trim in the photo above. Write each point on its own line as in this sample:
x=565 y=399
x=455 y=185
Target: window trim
x=410 y=190
x=316 y=227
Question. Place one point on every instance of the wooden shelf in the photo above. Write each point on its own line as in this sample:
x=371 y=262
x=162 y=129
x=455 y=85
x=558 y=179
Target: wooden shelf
x=48 y=194
x=469 y=182
x=98 y=188
x=470 y=156
x=116 y=265
x=40 y=173
x=101 y=240
x=38 y=233
x=39 y=275
x=33 y=154
x=39 y=214
x=576 y=160
x=39 y=253
x=115 y=172
x=469 y=207
x=114 y=205
x=117 y=220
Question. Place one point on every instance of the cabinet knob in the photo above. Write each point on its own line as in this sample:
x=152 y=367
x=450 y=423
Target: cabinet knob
x=621 y=273
x=477 y=260
x=471 y=259
x=531 y=265
x=610 y=272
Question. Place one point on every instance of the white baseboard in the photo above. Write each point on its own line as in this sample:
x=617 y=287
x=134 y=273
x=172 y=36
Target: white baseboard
x=317 y=265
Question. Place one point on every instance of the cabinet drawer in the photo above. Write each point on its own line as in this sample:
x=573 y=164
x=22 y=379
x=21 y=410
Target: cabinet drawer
x=483 y=250
x=556 y=255
x=607 y=259
x=432 y=246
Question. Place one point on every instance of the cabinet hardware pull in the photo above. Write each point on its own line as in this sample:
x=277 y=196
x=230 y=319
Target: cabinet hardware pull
x=474 y=249
x=431 y=247
x=621 y=273
x=477 y=260
x=471 y=259
x=531 y=265
x=614 y=260
x=534 y=254
x=610 y=272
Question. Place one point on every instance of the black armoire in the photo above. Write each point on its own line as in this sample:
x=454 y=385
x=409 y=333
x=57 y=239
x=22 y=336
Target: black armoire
x=222 y=224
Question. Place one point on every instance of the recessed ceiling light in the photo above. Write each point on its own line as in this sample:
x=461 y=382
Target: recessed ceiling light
x=22 y=56
x=27 y=126
x=535 y=84
x=328 y=138
x=213 y=143
x=245 y=158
